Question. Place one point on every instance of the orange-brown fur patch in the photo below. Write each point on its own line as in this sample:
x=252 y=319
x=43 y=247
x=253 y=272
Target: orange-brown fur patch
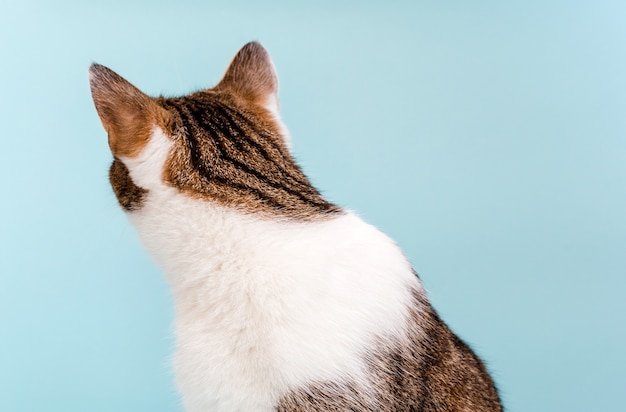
x=127 y=114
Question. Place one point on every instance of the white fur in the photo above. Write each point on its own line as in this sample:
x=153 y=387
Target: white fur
x=146 y=170
x=272 y=104
x=273 y=107
x=266 y=306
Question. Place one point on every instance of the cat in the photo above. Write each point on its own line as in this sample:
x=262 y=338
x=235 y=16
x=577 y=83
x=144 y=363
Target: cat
x=283 y=301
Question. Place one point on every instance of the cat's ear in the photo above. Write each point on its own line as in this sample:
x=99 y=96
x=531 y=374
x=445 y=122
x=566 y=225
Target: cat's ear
x=127 y=114
x=251 y=75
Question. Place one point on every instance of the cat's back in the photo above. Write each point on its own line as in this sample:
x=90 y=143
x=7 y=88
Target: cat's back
x=342 y=324
x=289 y=304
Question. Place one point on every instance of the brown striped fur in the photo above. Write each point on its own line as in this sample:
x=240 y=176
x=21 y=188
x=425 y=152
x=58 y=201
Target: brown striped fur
x=229 y=154
x=432 y=371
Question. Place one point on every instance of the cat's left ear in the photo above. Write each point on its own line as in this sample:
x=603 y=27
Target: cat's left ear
x=251 y=75
x=127 y=114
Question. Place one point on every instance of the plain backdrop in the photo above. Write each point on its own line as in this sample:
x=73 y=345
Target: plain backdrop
x=488 y=138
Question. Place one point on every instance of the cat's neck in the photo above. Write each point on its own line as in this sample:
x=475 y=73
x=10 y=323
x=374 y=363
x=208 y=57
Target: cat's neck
x=193 y=240
x=204 y=247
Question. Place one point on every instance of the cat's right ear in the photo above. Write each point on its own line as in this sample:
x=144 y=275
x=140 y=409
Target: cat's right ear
x=127 y=114
x=251 y=75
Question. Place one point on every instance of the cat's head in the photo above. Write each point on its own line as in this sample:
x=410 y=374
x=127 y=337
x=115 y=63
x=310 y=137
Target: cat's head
x=225 y=145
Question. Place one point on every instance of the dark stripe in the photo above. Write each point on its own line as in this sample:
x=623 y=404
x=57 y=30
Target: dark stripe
x=241 y=118
x=234 y=119
x=219 y=139
x=260 y=195
x=201 y=167
x=219 y=114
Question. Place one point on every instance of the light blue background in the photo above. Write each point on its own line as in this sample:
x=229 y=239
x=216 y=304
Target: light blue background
x=487 y=137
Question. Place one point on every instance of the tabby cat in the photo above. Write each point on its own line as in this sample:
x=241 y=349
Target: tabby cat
x=284 y=301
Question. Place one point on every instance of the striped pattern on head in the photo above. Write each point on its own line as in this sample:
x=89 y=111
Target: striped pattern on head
x=228 y=144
